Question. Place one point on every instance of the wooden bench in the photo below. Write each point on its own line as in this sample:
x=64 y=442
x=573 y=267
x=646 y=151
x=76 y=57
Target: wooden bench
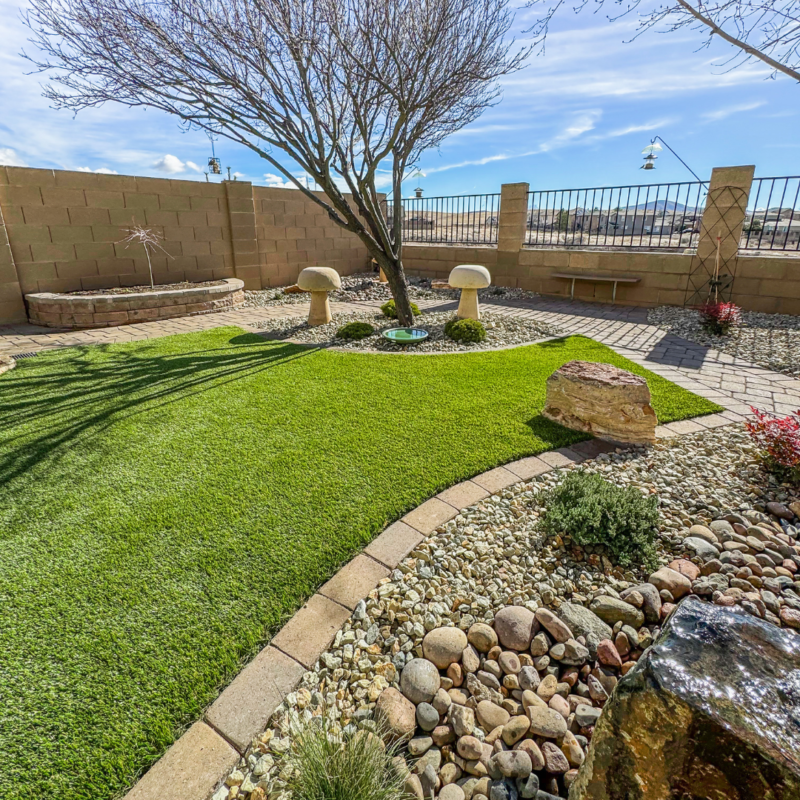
x=585 y=276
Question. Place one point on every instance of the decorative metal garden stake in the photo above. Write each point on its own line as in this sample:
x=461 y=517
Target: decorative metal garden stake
x=149 y=240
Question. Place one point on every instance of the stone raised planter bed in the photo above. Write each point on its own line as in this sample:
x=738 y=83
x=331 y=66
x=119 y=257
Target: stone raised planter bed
x=107 y=310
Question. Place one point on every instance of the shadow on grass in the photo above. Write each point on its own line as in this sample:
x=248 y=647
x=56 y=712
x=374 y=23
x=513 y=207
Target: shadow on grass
x=553 y=433
x=84 y=400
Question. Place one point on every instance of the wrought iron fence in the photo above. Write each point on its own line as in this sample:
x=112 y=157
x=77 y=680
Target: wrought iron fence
x=773 y=215
x=465 y=219
x=664 y=216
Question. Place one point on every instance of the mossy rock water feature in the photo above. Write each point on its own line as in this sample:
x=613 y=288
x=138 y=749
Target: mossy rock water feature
x=712 y=710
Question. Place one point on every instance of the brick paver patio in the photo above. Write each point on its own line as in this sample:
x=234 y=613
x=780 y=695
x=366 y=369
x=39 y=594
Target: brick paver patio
x=732 y=382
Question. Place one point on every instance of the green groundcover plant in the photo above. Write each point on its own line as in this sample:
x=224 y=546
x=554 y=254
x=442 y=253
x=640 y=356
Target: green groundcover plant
x=389 y=310
x=465 y=330
x=592 y=511
x=166 y=505
x=355 y=330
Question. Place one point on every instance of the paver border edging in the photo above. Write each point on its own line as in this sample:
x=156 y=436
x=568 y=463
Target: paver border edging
x=201 y=758
x=7 y=363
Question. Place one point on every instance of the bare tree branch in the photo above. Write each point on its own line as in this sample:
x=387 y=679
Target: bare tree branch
x=765 y=30
x=341 y=88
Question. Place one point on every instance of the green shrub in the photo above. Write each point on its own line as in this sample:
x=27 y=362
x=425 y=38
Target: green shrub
x=355 y=330
x=465 y=330
x=327 y=765
x=593 y=511
x=389 y=309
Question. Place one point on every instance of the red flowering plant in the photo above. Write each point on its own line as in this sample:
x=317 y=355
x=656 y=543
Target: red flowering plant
x=778 y=439
x=718 y=317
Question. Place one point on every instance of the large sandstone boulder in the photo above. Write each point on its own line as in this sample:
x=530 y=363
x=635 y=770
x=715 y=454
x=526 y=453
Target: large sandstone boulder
x=710 y=711
x=603 y=400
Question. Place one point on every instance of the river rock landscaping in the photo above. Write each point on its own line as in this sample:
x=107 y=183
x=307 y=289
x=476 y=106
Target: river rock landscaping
x=493 y=648
x=501 y=331
x=770 y=340
x=365 y=286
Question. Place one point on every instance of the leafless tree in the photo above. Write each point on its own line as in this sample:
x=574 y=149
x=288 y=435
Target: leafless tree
x=344 y=89
x=766 y=30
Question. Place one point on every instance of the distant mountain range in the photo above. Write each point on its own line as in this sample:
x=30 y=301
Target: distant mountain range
x=660 y=205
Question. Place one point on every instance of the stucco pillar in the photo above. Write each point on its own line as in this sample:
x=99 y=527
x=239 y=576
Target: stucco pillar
x=513 y=217
x=12 y=303
x=511 y=226
x=721 y=227
x=244 y=237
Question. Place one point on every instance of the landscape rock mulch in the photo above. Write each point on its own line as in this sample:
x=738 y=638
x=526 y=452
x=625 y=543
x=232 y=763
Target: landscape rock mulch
x=493 y=648
x=365 y=287
x=769 y=340
x=501 y=331
x=159 y=287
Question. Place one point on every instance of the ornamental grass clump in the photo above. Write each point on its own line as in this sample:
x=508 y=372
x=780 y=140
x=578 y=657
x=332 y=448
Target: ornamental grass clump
x=465 y=330
x=355 y=331
x=592 y=511
x=778 y=441
x=390 y=310
x=329 y=765
x=719 y=318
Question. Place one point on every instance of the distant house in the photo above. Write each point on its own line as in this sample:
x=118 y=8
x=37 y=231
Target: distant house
x=419 y=222
x=781 y=231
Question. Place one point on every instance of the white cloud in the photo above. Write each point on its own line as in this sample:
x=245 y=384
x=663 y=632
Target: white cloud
x=582 y=123
x=644 y=127
x=169 y=164
x=277 y=182
x=99 y=171
x=9 y=158
x=722 y=113
x=194 y=167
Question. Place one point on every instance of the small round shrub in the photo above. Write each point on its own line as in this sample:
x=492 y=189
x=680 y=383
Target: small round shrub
x=592 y=511
x=390 y=310
x=355 y=331
x=465 y=330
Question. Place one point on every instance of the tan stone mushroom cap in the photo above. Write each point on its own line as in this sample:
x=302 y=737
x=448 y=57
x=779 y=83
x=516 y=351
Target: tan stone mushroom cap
x=319 y=279
x=469 y=276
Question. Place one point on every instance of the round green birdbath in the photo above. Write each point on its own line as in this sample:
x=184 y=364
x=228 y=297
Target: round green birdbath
x=405 y=335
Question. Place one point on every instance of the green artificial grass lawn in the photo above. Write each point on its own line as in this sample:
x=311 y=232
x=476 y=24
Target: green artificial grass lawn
x=166 y=505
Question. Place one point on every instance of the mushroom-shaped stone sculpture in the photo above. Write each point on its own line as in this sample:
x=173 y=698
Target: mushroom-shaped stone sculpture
x=469 y=278
x=319 y=281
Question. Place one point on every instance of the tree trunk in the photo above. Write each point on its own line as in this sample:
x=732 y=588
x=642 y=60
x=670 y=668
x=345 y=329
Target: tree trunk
x=393 y=269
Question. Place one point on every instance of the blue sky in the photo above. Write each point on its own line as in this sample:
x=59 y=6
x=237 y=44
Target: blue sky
x=577 y=116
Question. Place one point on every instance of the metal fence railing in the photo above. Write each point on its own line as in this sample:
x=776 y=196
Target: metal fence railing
x=773 y=215
x=663 y=216
x=465 y=219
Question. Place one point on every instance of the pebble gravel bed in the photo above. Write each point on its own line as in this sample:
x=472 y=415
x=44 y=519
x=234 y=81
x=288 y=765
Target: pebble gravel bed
x=365 y=286
x=493 y=649
x=769 y=340
x=501 y=331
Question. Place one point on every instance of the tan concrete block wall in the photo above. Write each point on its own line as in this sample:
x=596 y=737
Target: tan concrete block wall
x=294 y=232
x=63 y=232
x=769 y=284
x=12 y=307
x=66 y=228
